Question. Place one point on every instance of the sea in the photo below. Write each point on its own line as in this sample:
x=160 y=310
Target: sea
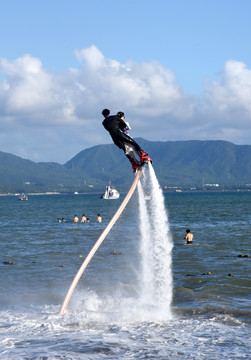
x=145 y=294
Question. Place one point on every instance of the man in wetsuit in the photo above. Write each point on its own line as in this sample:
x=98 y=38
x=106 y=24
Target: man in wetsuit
x=117 y=127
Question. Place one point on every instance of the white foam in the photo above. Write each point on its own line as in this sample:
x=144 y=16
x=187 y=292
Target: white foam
x=156 y=247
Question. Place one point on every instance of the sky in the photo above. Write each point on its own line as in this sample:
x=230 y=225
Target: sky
x=178 y=69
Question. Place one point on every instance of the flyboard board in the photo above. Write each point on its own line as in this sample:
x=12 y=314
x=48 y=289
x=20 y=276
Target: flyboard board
x=100 y=240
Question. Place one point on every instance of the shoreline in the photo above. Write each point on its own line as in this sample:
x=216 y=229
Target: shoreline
x=180 y=190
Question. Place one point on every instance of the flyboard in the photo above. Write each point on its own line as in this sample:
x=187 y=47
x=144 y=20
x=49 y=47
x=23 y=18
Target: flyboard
x=100 y=240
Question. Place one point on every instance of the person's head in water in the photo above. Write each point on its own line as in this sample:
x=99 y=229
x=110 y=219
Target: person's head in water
x=106 y=112
x=188 y=231
x=121 y=115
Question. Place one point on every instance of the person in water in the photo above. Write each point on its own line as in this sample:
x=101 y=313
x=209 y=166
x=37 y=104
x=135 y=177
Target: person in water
x=83 y=220
x=99 y=218
x=189 y=237
x=117 y=127
x=76 y=219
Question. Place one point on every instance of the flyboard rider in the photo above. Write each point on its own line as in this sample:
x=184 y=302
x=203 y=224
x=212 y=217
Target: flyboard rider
x=118 y=127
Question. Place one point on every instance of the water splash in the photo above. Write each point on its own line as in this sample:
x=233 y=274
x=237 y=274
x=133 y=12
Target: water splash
x=156 y=247
x=149 y=298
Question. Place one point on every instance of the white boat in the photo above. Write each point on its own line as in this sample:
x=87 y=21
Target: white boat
x=111 y=193
x=148 y=196
x=22 y=197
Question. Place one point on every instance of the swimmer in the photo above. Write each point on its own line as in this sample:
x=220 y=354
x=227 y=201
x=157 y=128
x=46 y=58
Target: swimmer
x=76 y=219
x=189 y=237
x=99 y=218
x=83 y=220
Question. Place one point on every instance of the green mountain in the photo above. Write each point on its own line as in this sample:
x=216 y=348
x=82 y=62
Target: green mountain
x=20 y=175
x=176 y=163
x=188 y=163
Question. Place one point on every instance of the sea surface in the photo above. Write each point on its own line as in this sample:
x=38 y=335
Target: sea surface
x=210 y=310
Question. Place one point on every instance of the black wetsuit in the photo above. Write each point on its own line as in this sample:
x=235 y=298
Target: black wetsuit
x=115 y=125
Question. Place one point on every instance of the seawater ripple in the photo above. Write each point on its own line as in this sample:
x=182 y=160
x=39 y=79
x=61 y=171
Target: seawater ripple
x=211 y=283
x=73 y=337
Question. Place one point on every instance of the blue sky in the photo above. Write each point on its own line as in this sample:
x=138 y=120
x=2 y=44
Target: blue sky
x=180 y=70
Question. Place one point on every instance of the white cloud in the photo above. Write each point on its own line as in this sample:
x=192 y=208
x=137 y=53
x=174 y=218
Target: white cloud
x=66 y=108
x=27 y=87
x=30 y=96
x=147 y=88
x=225 y=110
x=230 y=97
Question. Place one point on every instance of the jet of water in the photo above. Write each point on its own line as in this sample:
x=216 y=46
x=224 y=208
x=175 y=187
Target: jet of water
x=156 y=247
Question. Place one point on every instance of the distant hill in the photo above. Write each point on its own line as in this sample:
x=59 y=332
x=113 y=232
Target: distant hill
x=189 y=163
x=20 y=175
x=176 y=163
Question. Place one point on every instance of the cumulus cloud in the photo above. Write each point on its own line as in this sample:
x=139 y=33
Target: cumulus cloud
x=225 y=110
x=231 y=94
x=55 y=109
x=30 y=96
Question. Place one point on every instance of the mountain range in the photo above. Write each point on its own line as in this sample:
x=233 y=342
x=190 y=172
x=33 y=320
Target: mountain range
x=176 y=163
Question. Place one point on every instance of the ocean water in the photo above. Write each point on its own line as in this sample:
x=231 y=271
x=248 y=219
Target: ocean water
x=130 y=303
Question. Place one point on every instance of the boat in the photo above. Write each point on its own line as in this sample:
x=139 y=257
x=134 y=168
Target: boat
x=110 y=193
x=22 y=197
x=148 y=196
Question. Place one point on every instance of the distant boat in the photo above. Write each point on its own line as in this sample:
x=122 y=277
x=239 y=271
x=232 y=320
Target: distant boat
x=147 y=196
x=22 y=197
x=75 y=193
x=110 y=193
